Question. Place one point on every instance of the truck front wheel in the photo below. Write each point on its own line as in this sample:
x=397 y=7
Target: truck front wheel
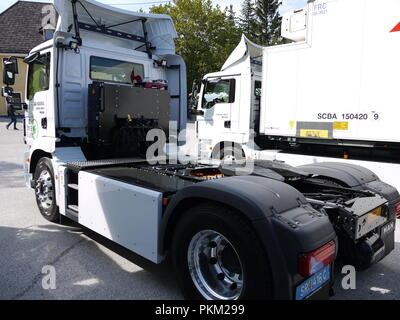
x=45 y=192
x=228 y=151
x=217 y=256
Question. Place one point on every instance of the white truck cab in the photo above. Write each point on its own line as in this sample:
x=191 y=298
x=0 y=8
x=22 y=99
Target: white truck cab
x=228 y=107
x=109 y=45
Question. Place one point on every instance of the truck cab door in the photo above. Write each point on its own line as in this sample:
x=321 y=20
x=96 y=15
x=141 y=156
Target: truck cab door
x=37 y=95
x=215 y=105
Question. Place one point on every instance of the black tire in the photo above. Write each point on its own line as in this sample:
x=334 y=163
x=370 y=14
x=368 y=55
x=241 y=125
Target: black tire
x=255 y=269
x=225 y=149
x=44 y=174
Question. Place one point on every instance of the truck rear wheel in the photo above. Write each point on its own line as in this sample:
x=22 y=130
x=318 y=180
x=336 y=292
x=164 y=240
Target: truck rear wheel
x=45 y=192
x=217 y=256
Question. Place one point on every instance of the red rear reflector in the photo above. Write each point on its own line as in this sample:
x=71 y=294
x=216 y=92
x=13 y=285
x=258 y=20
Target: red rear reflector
x=396 y=28
x=397 y=205
x=310 y=263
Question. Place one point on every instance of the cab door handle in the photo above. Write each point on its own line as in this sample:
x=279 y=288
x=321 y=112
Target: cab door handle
x=44 y=123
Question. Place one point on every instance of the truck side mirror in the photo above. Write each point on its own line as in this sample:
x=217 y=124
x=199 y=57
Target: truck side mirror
x=10 y=69
x=196 y=112
x=7 y=92
x=194 y=97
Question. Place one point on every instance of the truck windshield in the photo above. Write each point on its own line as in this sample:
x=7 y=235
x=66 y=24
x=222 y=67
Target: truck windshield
x=38 y=75
x=104 y=69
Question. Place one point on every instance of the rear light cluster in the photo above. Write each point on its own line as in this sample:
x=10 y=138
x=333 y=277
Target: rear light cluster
x=397 y=206
x=310 y=263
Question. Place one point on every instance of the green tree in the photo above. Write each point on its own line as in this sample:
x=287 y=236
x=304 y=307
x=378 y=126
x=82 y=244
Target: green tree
x=206 y=34
x=248 y=21
x=230 y=13
x=268 y=25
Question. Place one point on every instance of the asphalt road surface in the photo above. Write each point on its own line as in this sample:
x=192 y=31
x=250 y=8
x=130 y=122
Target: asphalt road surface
x=88 y=266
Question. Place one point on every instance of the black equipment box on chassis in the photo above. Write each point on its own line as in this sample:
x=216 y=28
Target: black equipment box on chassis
x=109 y=103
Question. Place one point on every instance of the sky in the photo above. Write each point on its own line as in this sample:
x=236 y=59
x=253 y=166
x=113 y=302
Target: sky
x=146 y=4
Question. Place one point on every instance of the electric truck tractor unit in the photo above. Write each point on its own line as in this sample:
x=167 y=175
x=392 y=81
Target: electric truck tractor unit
x=273 y=232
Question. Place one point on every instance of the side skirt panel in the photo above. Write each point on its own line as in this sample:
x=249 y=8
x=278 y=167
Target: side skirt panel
x=126 y=214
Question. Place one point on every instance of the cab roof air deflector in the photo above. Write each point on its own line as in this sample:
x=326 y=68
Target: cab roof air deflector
x=107 y=29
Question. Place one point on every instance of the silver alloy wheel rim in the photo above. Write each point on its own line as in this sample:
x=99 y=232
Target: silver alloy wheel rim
x=44 y=190
x=211 y=276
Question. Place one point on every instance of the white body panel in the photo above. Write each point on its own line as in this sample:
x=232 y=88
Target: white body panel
x=61 y=189
x=126 y=214
x=344 y=76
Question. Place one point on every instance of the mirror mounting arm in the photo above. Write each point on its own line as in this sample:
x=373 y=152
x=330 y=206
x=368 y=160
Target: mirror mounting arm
x=197 y=112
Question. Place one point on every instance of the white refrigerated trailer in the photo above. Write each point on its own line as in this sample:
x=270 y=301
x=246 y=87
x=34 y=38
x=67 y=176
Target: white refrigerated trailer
x=107 y=80
x=332 y=92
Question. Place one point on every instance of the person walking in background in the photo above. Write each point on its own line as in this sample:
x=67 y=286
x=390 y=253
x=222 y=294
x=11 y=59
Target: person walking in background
x=11 y=114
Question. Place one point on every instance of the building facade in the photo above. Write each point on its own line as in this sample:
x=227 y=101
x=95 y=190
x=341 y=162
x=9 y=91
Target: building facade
x=22 y=27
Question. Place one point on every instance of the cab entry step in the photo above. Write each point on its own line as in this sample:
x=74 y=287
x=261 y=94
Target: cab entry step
x=73 y=207
x=73 y=186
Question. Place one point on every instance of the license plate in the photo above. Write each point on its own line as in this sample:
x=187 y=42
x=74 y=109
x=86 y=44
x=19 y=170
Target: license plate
x=313 y=283
x=310 y=133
